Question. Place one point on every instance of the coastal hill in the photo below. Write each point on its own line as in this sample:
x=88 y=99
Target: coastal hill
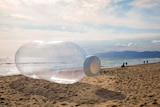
x=130 y=54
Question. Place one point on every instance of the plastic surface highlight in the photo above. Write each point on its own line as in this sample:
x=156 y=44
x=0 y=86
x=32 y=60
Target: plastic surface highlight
x=60 y=62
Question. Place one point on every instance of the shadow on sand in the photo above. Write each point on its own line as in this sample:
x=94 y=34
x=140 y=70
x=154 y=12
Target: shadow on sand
x=80 y=93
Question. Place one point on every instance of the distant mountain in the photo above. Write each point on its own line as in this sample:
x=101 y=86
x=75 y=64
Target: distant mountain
x=130 y=54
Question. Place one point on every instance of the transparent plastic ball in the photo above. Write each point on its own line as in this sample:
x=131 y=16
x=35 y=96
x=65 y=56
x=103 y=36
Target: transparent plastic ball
x=60 y=62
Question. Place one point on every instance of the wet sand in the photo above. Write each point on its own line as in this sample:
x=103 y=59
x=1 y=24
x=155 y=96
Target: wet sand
x=133 y=86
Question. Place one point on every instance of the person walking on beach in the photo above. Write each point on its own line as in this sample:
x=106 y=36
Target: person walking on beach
x=144 y=62
x=123 y=65
x=126 y=64
x=147 y=61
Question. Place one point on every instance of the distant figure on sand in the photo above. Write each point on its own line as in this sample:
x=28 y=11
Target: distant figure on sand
x=144 y=62
x=126 y=64
x=123 y=66
x=147 y=61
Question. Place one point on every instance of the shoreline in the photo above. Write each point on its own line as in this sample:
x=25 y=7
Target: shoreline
x=133 y=86
x=105 y=67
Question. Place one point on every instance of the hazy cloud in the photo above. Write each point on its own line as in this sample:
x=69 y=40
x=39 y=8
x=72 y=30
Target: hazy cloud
x=156 y=42
x=69 y=20
x=125 y=44
x=145 y=3
x=120 y=44
x=131 y=44
x=72 y=13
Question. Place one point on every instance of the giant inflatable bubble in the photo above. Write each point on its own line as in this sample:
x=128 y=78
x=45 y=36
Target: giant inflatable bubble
x=60 y=62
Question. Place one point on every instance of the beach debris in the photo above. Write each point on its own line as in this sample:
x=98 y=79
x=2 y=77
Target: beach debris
x=57 y=61
x=92 y=65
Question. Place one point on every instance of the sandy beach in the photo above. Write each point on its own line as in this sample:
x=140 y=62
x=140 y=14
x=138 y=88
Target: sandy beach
x=133 y=86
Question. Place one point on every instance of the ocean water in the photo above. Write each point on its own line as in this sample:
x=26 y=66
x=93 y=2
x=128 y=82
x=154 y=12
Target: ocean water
x=117 y=62
x=8 y=67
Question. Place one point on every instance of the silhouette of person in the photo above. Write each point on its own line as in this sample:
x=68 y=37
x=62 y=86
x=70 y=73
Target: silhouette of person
x=126 y=64
x=147 y=61
x=123 y=65
x=144 y=62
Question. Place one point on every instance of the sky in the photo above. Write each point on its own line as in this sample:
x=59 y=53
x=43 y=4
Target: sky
x=96 y=25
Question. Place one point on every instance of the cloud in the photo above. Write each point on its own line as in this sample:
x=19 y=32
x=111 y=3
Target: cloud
x=120 y=44
x=146 y=13
x=51 y=12
x=51 y=35
x=125 y=44
x=72 y=13
x=156 y=42
x=145 y=3
x=70 y=20
x=131 y=44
